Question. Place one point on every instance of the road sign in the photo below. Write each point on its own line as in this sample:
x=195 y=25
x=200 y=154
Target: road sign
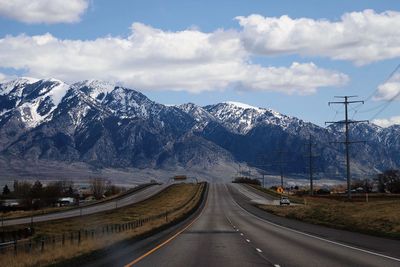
x=279 y=190
x=180 y=177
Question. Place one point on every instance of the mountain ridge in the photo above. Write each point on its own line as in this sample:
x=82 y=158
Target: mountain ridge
x=109 y=126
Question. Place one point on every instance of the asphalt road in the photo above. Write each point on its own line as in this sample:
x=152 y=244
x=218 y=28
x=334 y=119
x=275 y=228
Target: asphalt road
x=228 y=232
x=256 y=196
x=104 y=206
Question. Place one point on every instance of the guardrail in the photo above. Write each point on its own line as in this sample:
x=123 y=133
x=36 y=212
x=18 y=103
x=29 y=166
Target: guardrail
x=40 y=244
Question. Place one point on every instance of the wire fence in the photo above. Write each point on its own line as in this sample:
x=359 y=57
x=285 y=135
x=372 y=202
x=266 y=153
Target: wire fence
x=48 y=242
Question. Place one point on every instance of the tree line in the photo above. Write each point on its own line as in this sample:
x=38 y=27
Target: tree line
x=36 y=195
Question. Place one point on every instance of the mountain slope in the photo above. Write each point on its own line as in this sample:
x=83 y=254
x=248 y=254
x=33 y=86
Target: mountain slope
x=109 y=126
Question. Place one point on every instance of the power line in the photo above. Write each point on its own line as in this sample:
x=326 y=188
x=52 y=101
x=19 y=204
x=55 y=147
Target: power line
x=380 y=107
x=386 y=105
x=280 y=162
x=347 y=141
x=310 y=157
x=385 y=81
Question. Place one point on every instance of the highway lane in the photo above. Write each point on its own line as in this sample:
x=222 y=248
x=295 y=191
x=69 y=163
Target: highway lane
x=86 y=210
x=227 y=235
x=254 y=196
x=295 y=248
x=209 y=241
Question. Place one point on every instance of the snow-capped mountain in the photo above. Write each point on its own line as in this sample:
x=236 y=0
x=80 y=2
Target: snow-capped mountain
x=110 y=126
x=32 y=100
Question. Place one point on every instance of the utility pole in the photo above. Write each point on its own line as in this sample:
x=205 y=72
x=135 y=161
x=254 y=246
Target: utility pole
x=310 y=157
x=260 y=163
x=281 y=162
x=347 y=141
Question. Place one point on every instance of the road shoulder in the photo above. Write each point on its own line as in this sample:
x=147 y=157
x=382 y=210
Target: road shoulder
x=385 y=246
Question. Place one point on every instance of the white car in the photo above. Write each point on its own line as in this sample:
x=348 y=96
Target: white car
x=284 y=201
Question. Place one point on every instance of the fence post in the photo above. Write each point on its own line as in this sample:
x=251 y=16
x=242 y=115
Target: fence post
x=79 y=237
x=42 y=245
x=30 y=245
x=15 y=246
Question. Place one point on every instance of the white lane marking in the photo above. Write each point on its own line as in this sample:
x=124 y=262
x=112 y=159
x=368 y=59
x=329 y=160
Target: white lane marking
x=259 y=250
x=316 y=237
x=247 y=240
x=277 y=265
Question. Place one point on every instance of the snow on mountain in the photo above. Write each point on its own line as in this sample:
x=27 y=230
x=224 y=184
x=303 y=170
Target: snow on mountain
x=241 y=117
x=241 y=105
x=14 y=85
x=32 y=99
x=101 y=123
x=95 y=88
x=129 y=103
x=199 y=114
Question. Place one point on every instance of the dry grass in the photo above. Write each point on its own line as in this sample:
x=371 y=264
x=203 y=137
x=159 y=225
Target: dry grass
x=173 y=197
x=28 y=213
x=379 y=217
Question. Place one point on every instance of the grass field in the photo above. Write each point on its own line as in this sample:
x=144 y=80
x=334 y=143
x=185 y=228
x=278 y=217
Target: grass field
x=380 y=216
x=177 y=195
x=28 y=213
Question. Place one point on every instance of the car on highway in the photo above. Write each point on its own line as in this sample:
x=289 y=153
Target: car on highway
x=284 y=201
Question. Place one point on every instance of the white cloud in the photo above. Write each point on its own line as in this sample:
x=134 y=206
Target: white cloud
x=387 y=122
x=360 y=37
x=297 y=79
x=43 y=11
x=3 y=77
x=150 y=58
x=389 y=90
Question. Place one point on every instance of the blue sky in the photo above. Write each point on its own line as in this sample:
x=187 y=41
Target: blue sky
x=334 y=71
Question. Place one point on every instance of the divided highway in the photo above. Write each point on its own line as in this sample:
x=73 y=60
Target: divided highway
x=229 y=233
x=86 y=210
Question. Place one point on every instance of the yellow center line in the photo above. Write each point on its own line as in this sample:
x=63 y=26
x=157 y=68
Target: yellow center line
x=166 y=241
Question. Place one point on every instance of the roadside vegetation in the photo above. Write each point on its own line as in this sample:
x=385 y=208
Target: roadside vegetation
x=185 y=197
x=371 y=213
x=379 y=217
x=26 y=199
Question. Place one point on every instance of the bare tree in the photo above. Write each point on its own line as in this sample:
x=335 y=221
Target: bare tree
x=98 y=186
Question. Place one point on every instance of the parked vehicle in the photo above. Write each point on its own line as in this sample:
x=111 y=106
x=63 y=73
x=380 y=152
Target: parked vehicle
x=284 y=201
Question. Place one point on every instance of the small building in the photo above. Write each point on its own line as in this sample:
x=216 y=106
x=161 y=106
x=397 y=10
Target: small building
x=66 y=201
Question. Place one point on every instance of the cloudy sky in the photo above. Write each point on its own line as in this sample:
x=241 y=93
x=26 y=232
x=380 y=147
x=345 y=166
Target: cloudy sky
x=292 y=56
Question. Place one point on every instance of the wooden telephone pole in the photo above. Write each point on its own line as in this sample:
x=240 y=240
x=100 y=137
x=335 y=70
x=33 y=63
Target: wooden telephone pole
x=347 y=141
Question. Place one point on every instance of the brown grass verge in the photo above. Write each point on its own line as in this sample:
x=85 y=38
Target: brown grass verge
x=28 y=213
x=381 y=218
x=188 y=195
